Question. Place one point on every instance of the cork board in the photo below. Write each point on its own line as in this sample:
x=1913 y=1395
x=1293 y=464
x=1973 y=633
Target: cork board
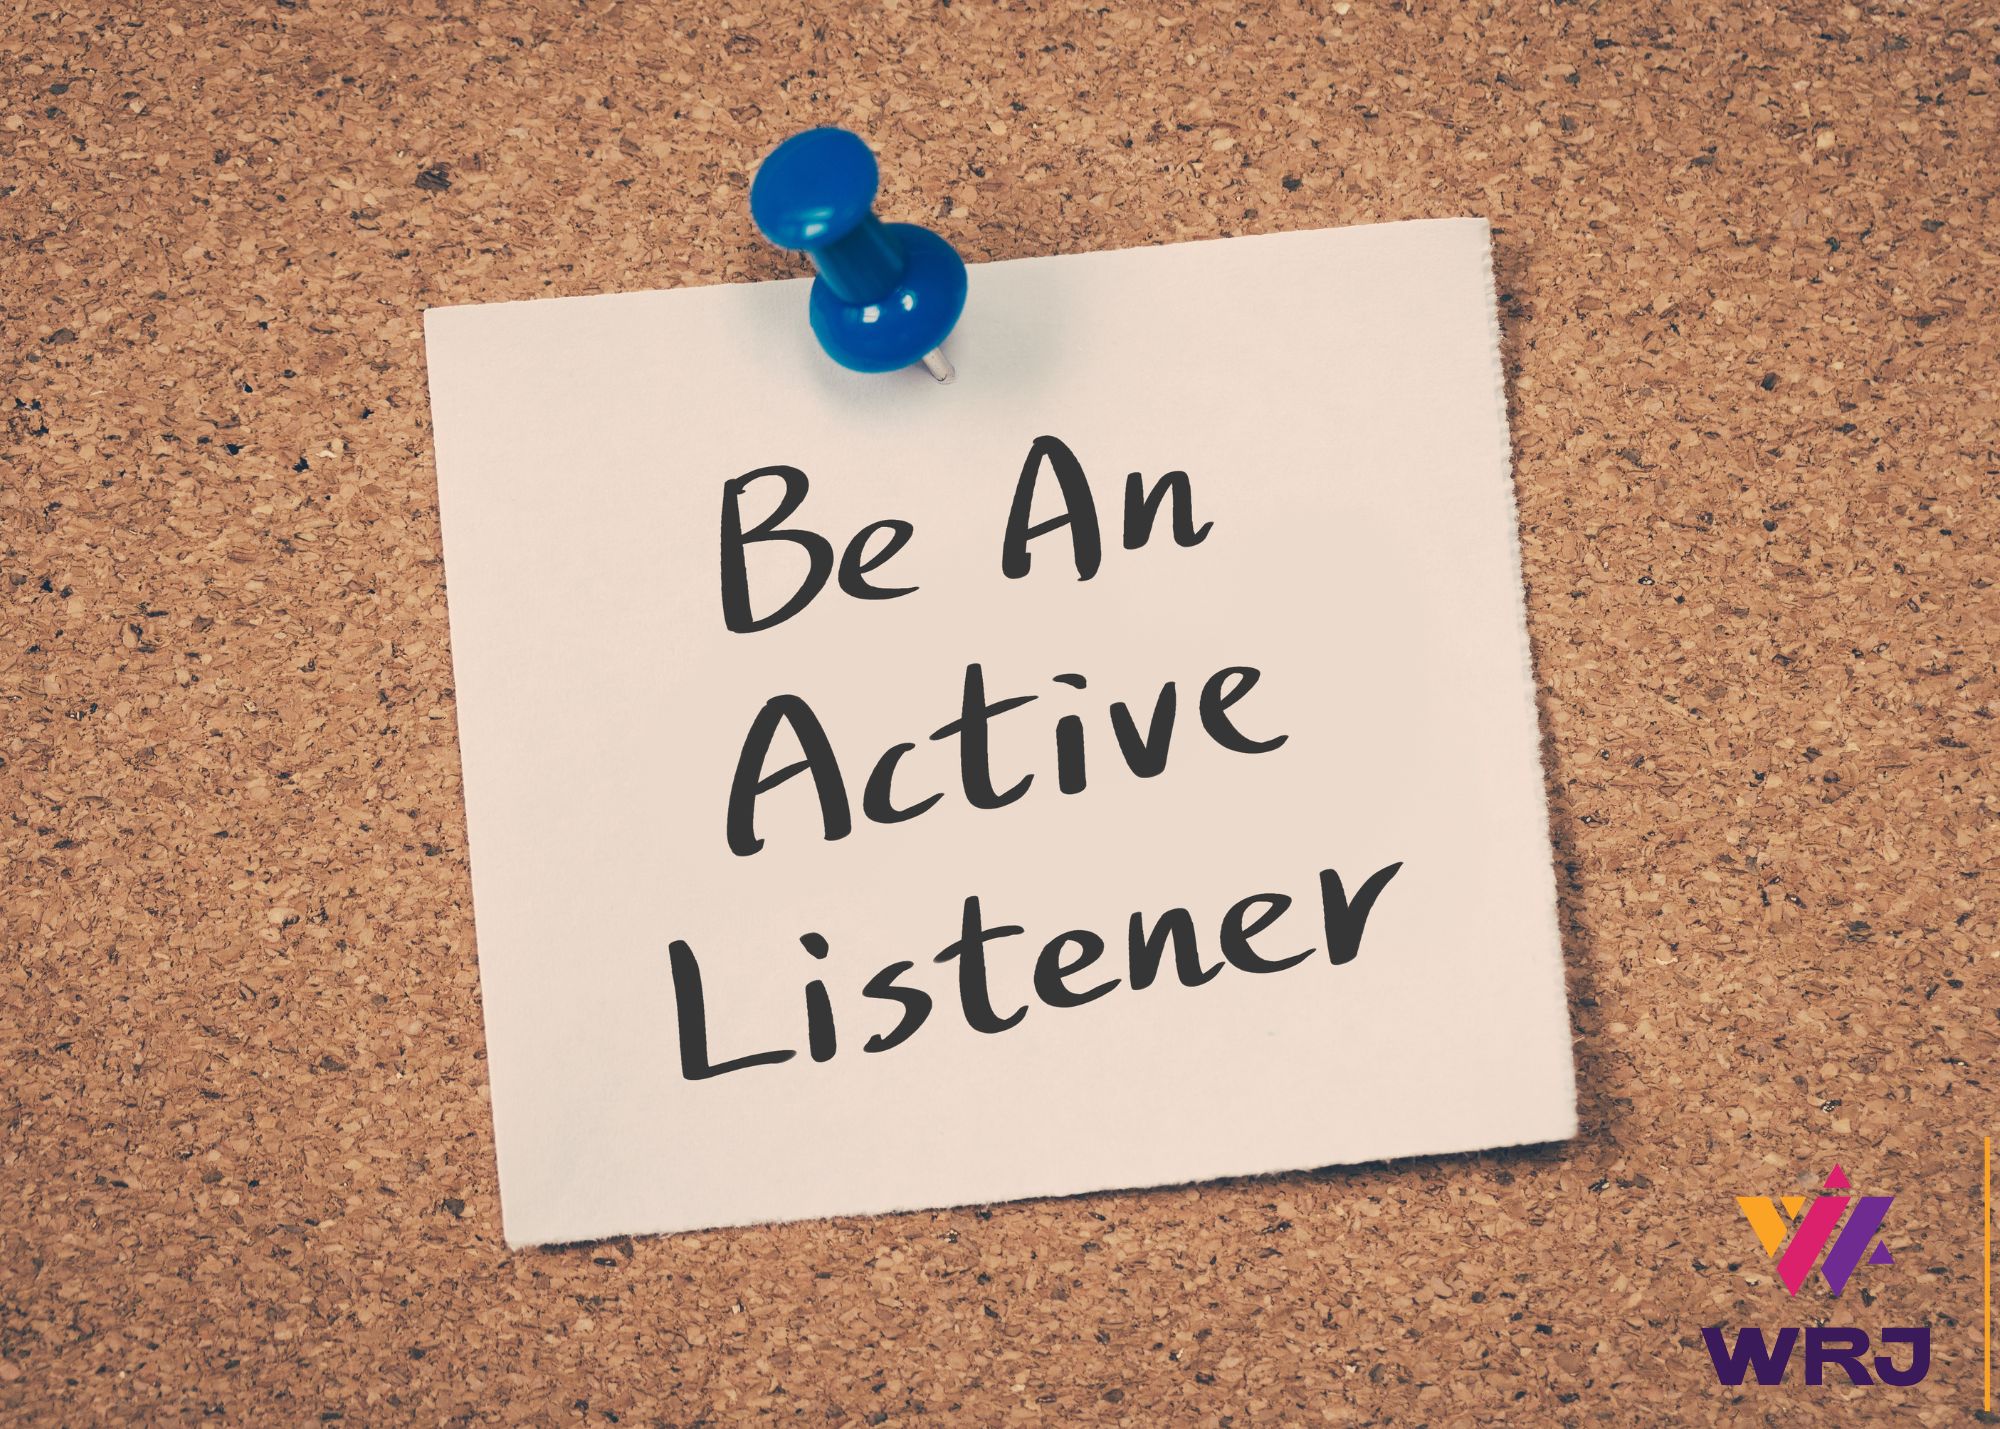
x=1747 y=263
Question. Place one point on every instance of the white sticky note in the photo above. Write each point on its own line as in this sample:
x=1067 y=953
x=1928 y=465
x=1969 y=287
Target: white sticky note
x=1169 y=977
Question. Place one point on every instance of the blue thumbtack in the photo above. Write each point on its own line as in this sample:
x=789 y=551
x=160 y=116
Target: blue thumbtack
x=887 y=293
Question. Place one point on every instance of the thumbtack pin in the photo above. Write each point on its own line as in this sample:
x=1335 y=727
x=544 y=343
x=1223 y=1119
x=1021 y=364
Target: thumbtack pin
x=939 y=366
x=887 y=294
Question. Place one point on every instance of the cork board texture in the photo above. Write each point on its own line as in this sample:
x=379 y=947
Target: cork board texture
x=1748 y=265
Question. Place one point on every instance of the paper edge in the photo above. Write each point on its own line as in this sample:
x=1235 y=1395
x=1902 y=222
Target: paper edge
x=1489 y=287
x=971 y=267
x=458 y=758
x=528 y=1241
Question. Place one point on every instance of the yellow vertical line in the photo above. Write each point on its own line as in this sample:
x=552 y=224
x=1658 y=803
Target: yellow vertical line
x=1989 y=1275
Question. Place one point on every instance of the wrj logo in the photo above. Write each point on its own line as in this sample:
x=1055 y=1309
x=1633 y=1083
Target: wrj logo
x=1832 y=1234
x=1795 y=1266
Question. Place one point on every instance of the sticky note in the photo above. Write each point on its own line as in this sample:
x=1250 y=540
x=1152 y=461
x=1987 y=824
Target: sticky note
x=1117 y=768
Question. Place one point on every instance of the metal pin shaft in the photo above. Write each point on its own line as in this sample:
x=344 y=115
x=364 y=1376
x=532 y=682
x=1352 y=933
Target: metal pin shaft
x=939 y=366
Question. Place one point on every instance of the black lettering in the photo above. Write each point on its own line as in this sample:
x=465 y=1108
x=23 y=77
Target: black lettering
x=692 y=1016
x=751 y=781
x=1146 y=757
x=975 y=765
x=1079 y=512
x=916 y=1004
x=1236 y=934
x=876 y=801
x=855 y=563
x=970 y=952
x=1215 y=702
x=1146 y=948
x=1345 y=921
x=1070 y=776
x=736 y=613
x=1142 y=508
x=819 y=1008
x=1051 y=970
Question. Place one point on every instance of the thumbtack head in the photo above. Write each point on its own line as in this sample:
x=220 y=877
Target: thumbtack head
x=814 y=188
